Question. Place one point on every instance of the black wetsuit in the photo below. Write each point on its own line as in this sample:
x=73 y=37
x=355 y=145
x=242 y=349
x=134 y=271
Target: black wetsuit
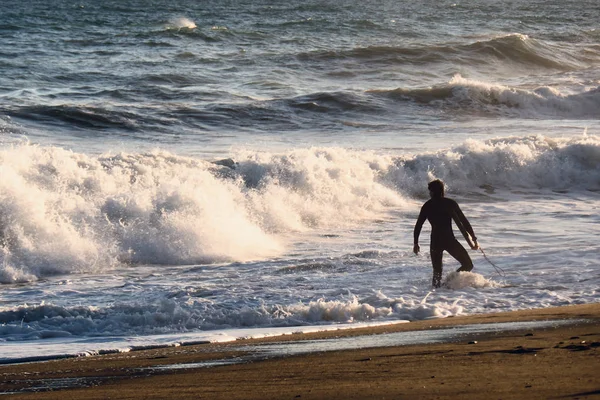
x=440 y=212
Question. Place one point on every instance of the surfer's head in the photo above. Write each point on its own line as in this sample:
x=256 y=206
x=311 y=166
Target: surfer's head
x=436 y=188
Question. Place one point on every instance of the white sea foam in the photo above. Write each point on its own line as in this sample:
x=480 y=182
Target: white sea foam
x=169 y=315
x=461 y=280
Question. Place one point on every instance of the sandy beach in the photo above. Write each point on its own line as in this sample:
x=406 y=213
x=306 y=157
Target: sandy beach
x=558 y=361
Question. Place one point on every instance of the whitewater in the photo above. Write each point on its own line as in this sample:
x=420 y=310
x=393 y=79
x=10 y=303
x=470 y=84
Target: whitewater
x=180 y=175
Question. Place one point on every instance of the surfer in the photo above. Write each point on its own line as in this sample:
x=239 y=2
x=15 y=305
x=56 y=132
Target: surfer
x=440 y=211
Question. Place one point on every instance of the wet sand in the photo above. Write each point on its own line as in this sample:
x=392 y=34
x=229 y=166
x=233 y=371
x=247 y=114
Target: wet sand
x=557 y=361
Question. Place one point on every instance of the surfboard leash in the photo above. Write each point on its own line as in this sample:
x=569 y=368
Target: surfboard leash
x=499 y=270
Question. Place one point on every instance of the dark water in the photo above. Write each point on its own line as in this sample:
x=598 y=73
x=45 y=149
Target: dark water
x=196 y=73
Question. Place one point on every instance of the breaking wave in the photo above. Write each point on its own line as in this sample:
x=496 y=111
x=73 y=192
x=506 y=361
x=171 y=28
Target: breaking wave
x=63 y=212
x=514 y=163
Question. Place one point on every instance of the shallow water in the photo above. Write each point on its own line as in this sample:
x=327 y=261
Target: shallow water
x=260 y=352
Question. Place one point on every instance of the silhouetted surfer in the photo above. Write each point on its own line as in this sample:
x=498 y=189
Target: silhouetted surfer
x=440 y=211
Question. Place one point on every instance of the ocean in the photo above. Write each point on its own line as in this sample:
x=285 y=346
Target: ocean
x=187 y=171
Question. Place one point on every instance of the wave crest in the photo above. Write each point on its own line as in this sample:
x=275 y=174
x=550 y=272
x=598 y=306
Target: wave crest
x=477 y=97
x=512 y=50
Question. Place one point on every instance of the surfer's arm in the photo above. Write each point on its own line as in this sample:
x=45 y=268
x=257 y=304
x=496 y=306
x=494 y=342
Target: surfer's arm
x=417 y=231
x=463 y=224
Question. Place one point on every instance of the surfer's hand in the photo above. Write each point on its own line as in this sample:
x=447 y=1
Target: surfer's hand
x=475 y=245
x=416 y=248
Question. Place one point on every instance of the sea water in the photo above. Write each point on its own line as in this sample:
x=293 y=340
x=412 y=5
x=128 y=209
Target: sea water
x=181 y=171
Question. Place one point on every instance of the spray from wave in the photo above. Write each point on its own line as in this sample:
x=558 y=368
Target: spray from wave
x=181 y=23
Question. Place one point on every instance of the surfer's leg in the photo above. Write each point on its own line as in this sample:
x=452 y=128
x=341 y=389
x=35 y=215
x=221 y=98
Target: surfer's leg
x=456 y=250
x=436 y=261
